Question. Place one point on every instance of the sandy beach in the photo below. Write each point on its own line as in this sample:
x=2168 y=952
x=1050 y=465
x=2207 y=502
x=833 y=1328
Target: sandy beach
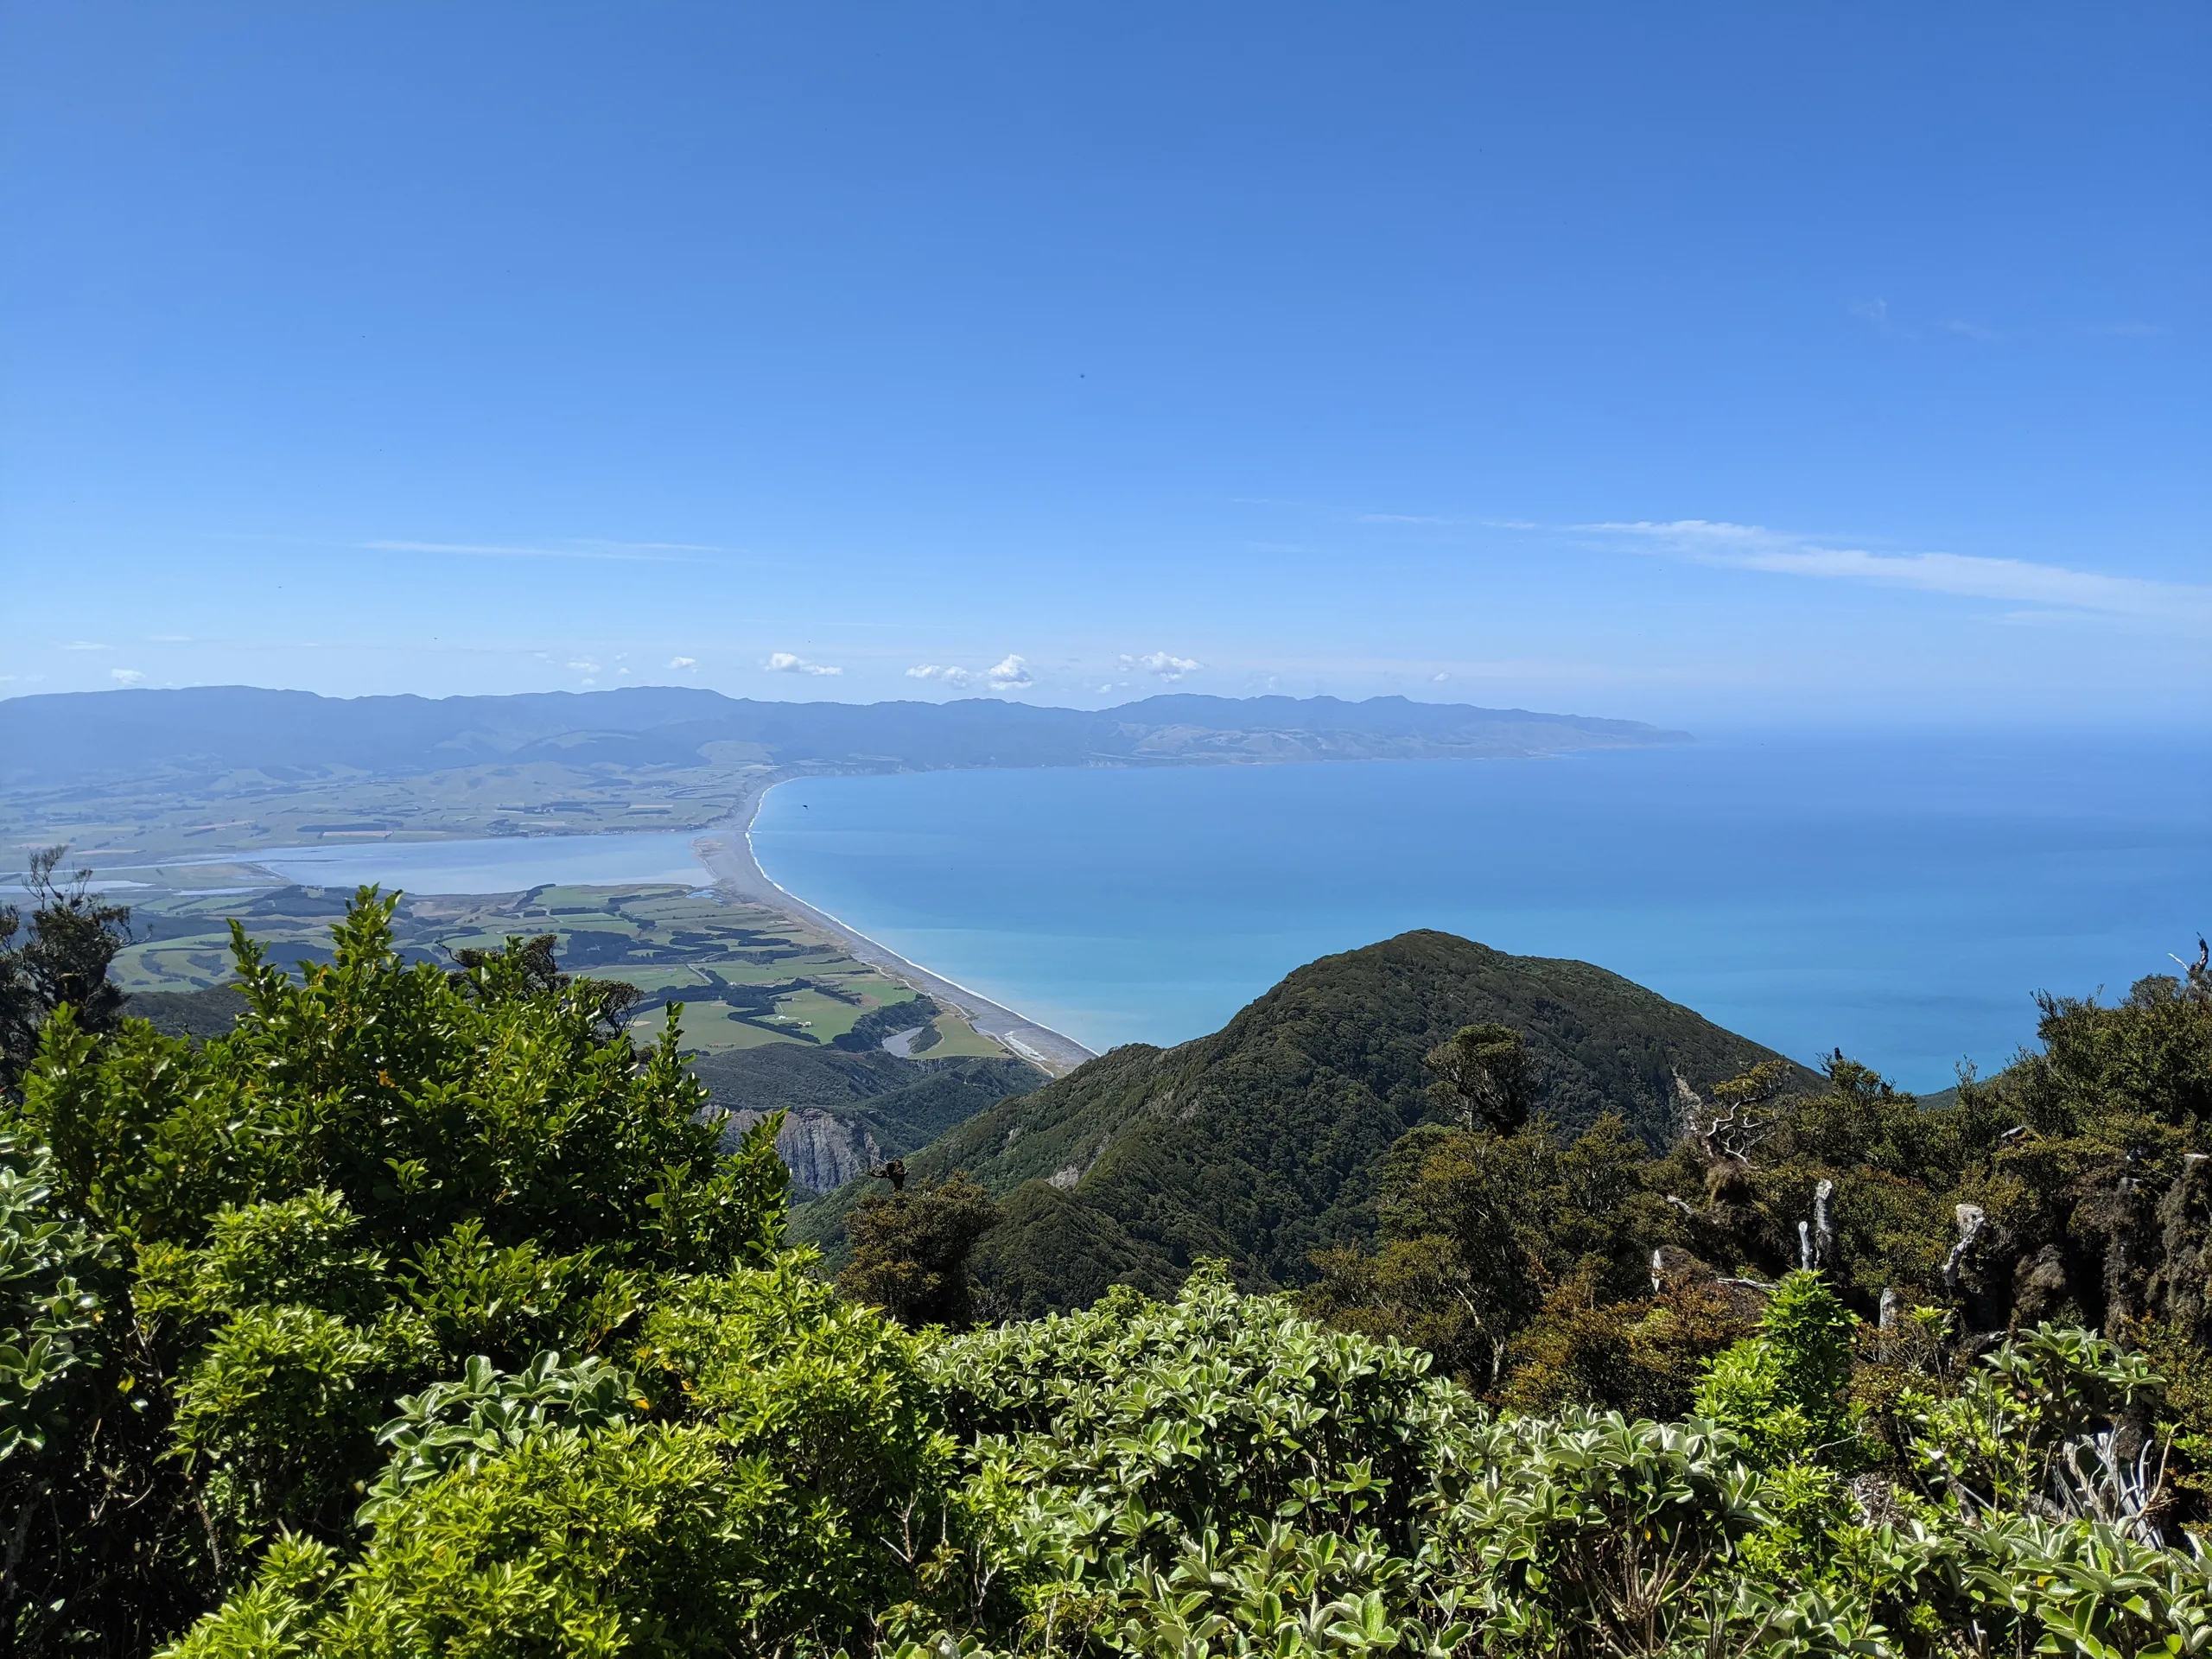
x=726 y=851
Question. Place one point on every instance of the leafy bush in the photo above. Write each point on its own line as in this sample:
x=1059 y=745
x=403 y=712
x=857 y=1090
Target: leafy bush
x=1782 y=1391
x=910 y=1251
x=757 y=1495
x=226 y=1262
x=1643 y=1358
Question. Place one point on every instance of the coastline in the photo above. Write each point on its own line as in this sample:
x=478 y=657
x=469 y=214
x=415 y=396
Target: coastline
x=726 y=849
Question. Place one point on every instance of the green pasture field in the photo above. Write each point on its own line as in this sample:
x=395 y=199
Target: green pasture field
x=958 y=1039
x=746 y=976
x=132 y=825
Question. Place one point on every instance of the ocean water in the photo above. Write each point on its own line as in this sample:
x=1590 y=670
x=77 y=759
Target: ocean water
x=1902 y=897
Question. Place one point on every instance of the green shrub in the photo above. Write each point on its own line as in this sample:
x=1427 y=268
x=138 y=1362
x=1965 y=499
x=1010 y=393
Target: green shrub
x=1783 y=1392
x=778 y=1498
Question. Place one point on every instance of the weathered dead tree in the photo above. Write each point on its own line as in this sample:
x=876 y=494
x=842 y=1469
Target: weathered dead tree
x=1972 y=1220
x=1725 y=1133
x=1816 y=1241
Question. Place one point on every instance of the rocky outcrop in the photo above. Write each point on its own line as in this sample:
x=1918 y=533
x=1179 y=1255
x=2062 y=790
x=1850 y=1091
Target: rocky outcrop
x=821 y=1150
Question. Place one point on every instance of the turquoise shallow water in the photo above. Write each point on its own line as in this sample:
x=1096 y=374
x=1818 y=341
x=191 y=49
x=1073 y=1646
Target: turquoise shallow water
x=1901 y=898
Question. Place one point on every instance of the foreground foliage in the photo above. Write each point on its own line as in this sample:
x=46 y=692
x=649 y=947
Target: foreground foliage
x=422 y=1317
x=227 y=1265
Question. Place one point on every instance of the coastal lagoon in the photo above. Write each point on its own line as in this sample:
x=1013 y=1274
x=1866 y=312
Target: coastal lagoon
x=504 y=864
x=1902 y=898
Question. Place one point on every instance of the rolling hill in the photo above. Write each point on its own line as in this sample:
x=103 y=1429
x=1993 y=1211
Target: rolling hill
x=1262 y=1141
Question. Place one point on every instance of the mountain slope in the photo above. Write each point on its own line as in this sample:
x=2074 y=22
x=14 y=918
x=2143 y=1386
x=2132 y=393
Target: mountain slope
x=207 y=731
x=1262 y=1141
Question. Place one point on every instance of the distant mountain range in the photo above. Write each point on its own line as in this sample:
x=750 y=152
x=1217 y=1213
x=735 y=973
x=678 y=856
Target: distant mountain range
x=208 y=731
x=1264 y=1141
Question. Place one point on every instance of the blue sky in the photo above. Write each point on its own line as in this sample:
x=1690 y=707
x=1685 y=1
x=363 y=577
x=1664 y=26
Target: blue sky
x=1698 y=363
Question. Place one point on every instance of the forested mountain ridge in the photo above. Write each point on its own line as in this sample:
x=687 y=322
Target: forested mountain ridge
x=1264 y=1141
x=55 y=738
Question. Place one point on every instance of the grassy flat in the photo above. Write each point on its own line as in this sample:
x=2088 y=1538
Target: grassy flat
x=747 y=976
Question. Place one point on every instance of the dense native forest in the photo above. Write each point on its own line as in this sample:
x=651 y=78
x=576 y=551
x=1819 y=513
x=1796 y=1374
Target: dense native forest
x=422 y=1312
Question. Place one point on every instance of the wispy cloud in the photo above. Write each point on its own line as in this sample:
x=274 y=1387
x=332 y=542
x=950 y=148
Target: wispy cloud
x=623 y=552
x=783 y=662
x=1010 y=674
x=86 y=644
x=1877 y=315
x=1445 y=521
x=2054 y=589
x=126 y=677
x=943 y=675
x=684 y=663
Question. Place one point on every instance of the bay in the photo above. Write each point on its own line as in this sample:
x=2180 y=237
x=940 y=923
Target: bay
x=1901 y=897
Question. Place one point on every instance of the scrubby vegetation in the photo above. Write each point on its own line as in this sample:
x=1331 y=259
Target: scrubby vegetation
x=422 y=1314
x=1265 y=1140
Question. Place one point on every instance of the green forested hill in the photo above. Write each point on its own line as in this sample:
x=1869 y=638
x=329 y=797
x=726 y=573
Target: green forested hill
x=1263 y=1141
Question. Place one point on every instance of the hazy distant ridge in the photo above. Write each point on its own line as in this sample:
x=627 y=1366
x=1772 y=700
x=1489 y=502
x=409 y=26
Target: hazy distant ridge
x=214 y=729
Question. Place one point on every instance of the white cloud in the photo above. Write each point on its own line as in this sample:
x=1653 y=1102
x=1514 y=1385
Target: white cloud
x=1750 y=547
x=169 y=639
x=86 y=644
x=783 y=662
x=684 y=662
x=585 y=666
x=1874 y=311
x=126 y=677
x=1167 y=667
x=955 y=677
x=1438 y=679
x=1010 y=674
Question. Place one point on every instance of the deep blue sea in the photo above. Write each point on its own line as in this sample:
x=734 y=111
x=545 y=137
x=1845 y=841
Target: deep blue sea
x=1901 y=897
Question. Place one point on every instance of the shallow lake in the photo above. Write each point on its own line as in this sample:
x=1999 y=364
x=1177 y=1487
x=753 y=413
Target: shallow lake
x=504 y=864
